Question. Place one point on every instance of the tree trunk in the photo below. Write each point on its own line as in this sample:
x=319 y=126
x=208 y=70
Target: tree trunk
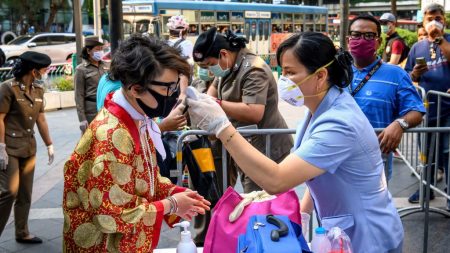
x=394 y=8
x=54 y=7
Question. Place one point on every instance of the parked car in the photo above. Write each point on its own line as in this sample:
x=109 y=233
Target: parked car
x=58 y=46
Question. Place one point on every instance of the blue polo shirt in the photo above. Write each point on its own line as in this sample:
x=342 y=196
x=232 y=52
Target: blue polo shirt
x=437 y=76
x=352 y=193
x=388 y=95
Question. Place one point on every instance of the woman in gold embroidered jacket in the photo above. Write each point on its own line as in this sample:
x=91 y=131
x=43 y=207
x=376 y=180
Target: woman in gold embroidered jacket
x=114 y=197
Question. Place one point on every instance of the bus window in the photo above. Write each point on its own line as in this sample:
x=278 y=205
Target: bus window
x=193 y=29
x=237 y=28
x=223 y=28
x=287 y=28
x=223 y=17
x=253 y=30
x=276 y=18
x=276 y=28
x=206 y=27
x=127 y=28
x=207 y=16
x=142 y=26
x=237 y=17
x=266 y=30
x=261 y=30
x=298 y=21
x=287 y=18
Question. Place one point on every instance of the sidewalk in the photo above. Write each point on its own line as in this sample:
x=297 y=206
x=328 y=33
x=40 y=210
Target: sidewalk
x=46 y=219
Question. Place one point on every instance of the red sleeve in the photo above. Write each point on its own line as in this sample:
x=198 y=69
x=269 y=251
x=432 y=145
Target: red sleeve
x=397 y=47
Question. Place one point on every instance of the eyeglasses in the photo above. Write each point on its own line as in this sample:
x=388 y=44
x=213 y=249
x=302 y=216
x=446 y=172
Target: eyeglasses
x=367 y=35
x=172 y=87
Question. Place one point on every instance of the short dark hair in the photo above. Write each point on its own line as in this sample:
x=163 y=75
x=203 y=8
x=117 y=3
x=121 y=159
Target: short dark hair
x=314 y=50
x=140 y=59
x=368 y=18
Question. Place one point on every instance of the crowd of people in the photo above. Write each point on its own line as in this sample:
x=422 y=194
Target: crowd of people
x=115 y=197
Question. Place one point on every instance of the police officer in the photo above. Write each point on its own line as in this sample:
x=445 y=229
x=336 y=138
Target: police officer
x=87 y=76
x=21 y=106
x=246 y=90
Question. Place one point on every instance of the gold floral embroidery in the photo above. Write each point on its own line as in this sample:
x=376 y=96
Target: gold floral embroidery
x=163 y=180
x=141 y=186
x=72 y=200
x=122 y=141
x=120 y=173
x=83 y=195
x=113 y=121
x=141 y=240
x=85 y=143
x=139 y=164
x=86 y=235
x=118 y=196
x=66 y=222
x=97 y=169
x=102 y=132
x=105 y=157
x=95 y=198
x=133 y=215
x=112 y=242
x=105 y=223
x=149 y=217
x=101 y=115
x=84 y=172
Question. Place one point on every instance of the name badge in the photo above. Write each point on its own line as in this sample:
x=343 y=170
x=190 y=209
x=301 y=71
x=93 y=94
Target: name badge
x=38 y=99
x=20 y=99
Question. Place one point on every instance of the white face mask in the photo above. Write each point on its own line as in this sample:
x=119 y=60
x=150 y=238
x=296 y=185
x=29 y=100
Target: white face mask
x=291 y=92
x=429 y=26
x=97 y=55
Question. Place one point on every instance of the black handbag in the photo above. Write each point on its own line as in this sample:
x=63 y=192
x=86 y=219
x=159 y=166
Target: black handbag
x=170 y=163
x=198 y=158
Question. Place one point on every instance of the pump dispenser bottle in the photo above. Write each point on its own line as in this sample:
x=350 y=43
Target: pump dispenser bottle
x=186 y=244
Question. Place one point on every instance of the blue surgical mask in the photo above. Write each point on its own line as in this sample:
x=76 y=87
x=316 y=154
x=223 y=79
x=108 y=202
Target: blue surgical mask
x=203 y=74
x=384 y=29
x=218 y=71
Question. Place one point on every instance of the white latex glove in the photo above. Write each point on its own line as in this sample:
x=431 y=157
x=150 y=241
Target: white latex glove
x=206 y=113
x=84 y=125
x=51 y=154
x=3 y=157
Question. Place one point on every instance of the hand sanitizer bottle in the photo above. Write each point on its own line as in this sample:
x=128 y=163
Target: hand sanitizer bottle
x=186 y=244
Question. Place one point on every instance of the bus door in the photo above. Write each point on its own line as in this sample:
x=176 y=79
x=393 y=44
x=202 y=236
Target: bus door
x=258 y=34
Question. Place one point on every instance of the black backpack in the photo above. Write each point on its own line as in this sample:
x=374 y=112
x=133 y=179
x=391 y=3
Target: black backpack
x=405 y=52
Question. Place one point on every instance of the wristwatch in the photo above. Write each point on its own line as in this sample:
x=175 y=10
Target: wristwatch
x=403 y=123
x=438 y=40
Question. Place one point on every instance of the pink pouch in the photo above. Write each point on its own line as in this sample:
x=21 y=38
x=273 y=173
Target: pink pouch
x=222 y=235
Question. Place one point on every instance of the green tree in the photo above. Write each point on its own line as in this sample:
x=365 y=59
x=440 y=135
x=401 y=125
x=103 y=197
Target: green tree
x=32 y=10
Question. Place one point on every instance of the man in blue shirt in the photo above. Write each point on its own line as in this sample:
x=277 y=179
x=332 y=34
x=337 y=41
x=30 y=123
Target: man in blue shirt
x=384 y=92
x=433 y=73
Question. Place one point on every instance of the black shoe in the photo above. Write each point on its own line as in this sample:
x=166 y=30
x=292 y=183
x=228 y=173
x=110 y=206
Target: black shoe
x=414 y=199
x=33 y=240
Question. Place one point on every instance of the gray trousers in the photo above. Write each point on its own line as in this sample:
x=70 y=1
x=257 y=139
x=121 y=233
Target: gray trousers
x=16 y=186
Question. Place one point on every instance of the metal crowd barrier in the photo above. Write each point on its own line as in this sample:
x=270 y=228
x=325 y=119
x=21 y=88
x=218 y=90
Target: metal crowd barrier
x=409 y=152
x=54 y=70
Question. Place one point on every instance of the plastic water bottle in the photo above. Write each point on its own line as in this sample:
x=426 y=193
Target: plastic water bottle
x=320 y=242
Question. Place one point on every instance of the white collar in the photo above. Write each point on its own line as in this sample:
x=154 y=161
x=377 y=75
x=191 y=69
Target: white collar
x=152 y=127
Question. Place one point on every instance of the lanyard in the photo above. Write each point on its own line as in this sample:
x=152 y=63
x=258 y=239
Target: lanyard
x=365 y=79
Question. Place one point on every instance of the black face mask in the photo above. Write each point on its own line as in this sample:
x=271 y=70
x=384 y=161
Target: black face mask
x=165 y=104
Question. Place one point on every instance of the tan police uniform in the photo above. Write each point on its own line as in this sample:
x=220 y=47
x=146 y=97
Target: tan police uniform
x=252 y=82
x=22 y=110
x=87 y=76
